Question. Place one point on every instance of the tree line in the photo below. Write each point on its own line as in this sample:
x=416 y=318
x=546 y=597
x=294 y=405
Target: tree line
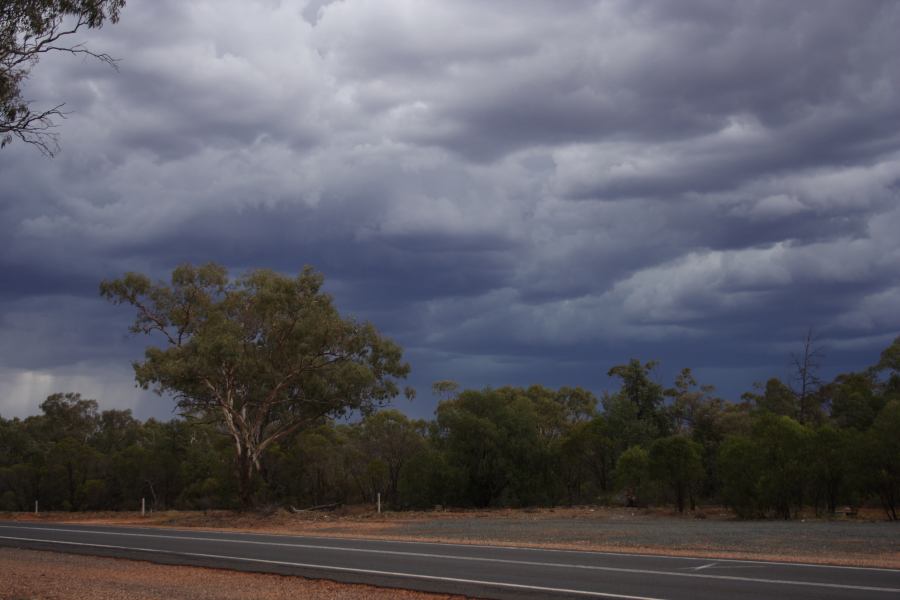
x=509 y=446
x=265 y=373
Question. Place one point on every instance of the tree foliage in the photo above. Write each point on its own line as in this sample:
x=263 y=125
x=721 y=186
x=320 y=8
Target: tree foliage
x=639 y=388
x=262 y=355
x=881 y=464
x=633 y=475
x=28 y=30
x=675 y=462
x=269 y=354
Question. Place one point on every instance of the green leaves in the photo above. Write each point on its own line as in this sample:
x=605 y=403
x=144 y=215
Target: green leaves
x=676 y=462
x=633 y=474
x=264 y=354
x=29 y=29
x=890 y=358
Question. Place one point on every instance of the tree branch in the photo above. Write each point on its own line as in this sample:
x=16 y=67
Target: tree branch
x=29 y=30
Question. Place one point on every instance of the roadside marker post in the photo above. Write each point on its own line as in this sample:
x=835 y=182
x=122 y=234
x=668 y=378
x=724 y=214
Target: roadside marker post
x=35 y=507
x=143 y=507
x=379 y=503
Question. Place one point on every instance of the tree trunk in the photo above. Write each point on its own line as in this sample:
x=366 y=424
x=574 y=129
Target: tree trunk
x=394 y=486
x=679 y=497
x=888 y=502
x=153 y=499
x=245 y=480
x=70 y=486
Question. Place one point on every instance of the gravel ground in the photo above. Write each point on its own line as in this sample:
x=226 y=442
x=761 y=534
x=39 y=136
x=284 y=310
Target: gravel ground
x=851 y=542
x=859 y=542
x=31 y=575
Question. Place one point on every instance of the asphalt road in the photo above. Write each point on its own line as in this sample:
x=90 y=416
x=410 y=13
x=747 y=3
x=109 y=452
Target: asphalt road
x=479 y=571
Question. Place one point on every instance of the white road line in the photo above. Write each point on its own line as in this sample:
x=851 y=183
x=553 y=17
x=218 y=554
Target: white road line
x=353 y=570
x=525 y=548
x=750 y=561
x=701 y=567
x=474 y=559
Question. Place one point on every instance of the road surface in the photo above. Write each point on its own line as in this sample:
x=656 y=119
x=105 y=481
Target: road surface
x=479 y=571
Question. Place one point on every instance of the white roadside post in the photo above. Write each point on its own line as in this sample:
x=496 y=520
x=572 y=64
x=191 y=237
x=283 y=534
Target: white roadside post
x=35 y=507
x=379 y=503
x=143 y=507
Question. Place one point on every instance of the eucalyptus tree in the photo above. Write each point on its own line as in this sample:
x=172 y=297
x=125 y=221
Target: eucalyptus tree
x=696 y=411
x=890 y=364
x=492 y=439
x=806 y=382
x=774 y=397
x=639 y=404
x=890 y=358
x=632 y=474
x=263 y=355
x=881 y=466
x=638 y=386
x=30 y=29
x=675 y=462
x=391 y=439
x=768 y=470
x=855 y=399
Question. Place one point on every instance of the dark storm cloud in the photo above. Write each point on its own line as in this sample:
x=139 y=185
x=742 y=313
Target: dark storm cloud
x=744 y=153
x=370 y=270
x=27 y=279
x=516 y=193
x=632 y=74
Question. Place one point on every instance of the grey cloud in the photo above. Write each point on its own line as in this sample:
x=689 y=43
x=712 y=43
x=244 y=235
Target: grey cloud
x=639 y=77
x=737 y=154
x=517 y=193
x=50 y=331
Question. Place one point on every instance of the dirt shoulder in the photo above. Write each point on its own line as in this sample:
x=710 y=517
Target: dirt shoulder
x=862 y=541
x=31 y=575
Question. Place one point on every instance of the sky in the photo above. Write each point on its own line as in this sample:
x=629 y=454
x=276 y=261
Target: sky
x=517 y=192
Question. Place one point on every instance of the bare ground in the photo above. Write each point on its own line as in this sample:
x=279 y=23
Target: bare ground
x=31 y=575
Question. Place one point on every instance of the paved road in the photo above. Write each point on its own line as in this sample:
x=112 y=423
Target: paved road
x=480 y=571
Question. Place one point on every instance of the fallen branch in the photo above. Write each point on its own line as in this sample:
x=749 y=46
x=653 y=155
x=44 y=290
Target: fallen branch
x=319 y=507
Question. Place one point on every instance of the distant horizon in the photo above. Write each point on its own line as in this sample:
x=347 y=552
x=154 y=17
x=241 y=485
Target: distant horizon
x=425 y=402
